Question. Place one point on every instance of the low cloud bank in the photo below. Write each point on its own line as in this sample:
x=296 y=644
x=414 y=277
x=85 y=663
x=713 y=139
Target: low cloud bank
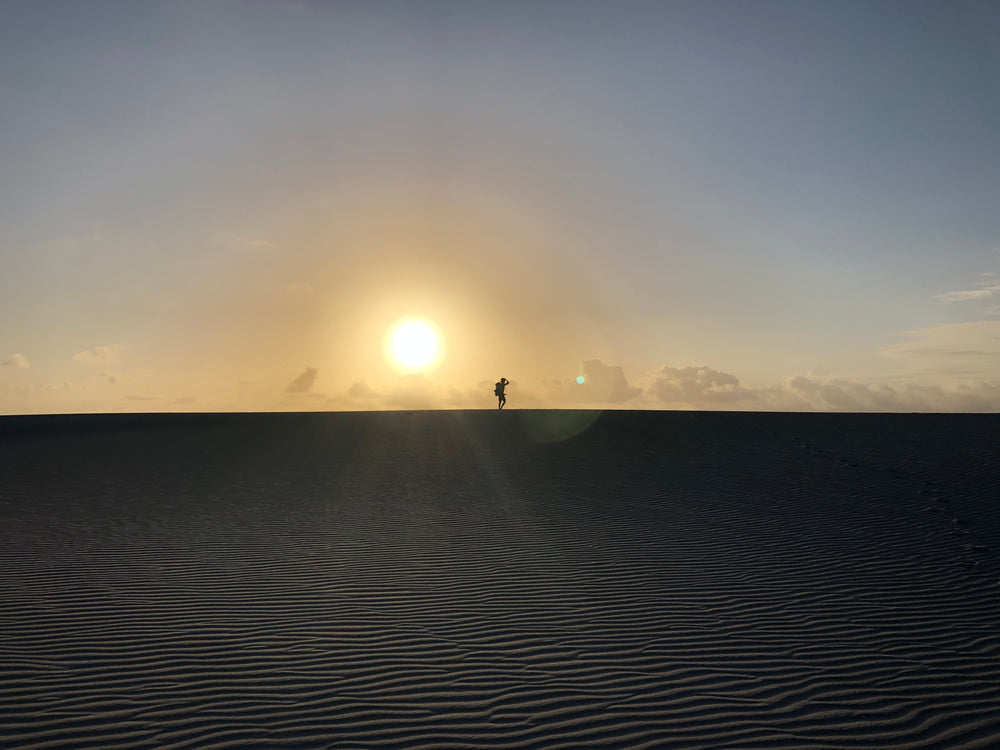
x=411 y=393
x=703 y=385
x=416 y=392
x=601 y=385
x=845 y=395
x=705 y=388
x=597 y=383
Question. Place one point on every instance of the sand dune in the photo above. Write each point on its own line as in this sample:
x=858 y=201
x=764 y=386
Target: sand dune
x=483 y=579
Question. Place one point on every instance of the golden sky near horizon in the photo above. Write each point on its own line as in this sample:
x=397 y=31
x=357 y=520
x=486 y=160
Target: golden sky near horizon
x=228 y=206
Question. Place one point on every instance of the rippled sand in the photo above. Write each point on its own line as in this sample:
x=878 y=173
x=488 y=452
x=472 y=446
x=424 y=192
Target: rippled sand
x=494 y=580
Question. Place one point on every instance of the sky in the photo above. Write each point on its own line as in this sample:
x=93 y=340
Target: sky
x=217 y=206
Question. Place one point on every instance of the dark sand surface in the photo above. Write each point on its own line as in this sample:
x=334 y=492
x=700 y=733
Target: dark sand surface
x=466 y=579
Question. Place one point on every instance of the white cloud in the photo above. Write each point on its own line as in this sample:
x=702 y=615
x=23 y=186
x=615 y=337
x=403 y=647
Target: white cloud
x=16 y=360
x=304 y=382
x=97 y=354
x=985 y=289
x=964 y=295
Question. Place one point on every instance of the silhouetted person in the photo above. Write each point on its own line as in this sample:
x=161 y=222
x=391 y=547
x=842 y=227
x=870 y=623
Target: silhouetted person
x=498 y=391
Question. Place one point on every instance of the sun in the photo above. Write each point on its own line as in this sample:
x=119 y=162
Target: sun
x=413 y=344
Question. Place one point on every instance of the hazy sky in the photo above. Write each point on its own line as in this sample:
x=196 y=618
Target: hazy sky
x=226 y=205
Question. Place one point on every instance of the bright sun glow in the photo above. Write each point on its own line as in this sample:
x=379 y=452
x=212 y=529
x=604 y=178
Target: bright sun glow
x=414 y=344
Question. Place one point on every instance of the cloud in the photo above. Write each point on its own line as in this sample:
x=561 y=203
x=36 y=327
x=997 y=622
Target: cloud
x=705 y=388
x=362 y=391
x=702 y=388
x=65 y=385
x=965 y=295
x=304 y=382
x=985 y=289
x=482 y=397
x=846 y=395
x=696 y=385
x=16 y=360
x=971 y=349
x=415 y=391
x=97 y=354
x=109 y=376
x=412 y=392
x=598 y=383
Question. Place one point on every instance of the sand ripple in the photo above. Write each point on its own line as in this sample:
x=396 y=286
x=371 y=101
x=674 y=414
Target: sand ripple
x=441 y=580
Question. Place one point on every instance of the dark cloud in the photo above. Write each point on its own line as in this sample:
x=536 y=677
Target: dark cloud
x=304 y=382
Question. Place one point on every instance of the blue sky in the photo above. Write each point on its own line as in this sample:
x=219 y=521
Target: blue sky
x=199 y=201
